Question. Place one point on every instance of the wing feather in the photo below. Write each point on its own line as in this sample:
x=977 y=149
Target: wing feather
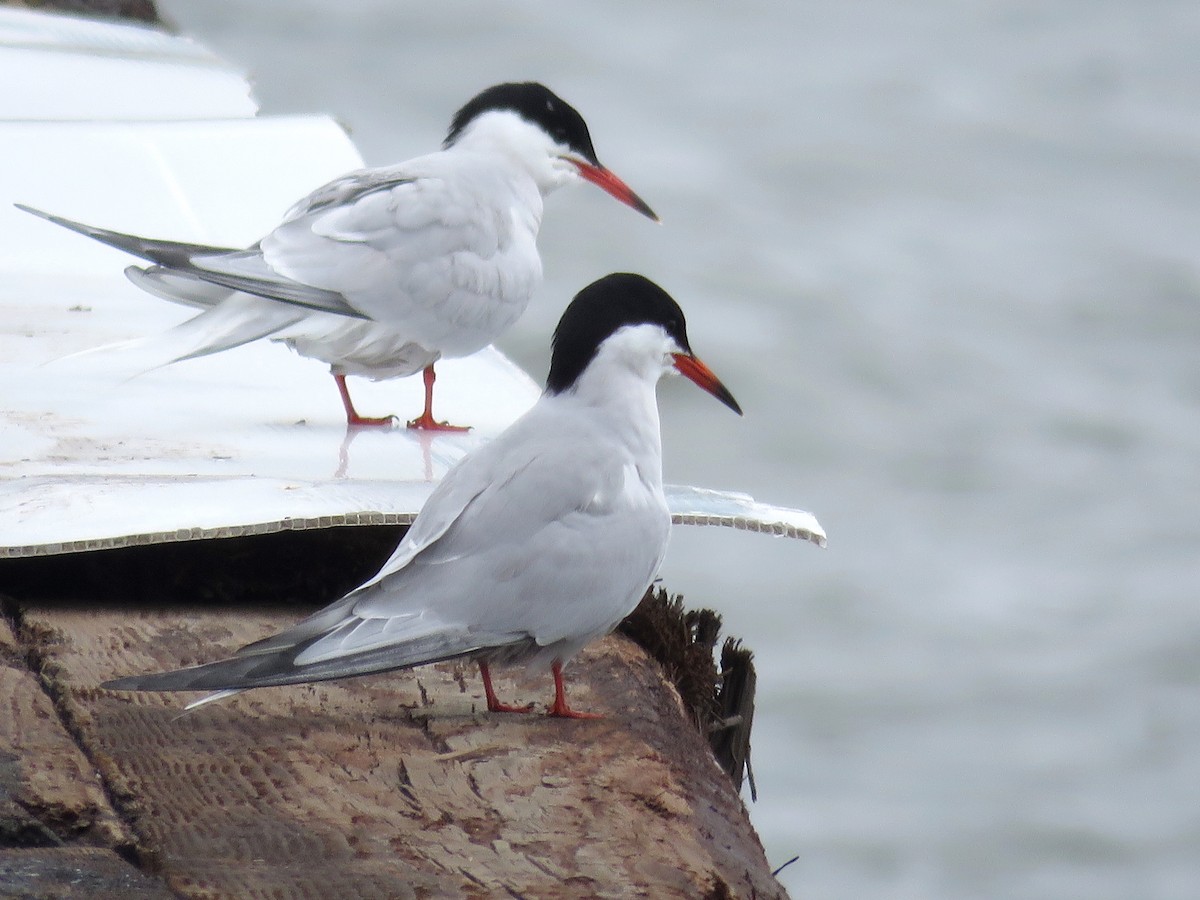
x=238 y=270
x=504 y=555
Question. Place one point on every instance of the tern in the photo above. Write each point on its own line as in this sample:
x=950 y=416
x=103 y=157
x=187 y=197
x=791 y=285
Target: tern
x=533 y=545
x=384 y=271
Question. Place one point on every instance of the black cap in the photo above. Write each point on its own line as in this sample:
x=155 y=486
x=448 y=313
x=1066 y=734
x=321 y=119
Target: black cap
x=536 y=104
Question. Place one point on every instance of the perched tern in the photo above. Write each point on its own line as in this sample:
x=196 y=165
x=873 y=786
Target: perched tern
x=384 y=271
x=533 y=545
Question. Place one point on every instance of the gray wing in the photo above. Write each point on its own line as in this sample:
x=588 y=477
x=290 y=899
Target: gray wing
x=348 y=189
x=237 y=270
x=552 y=547
x=431 y=244
x=397 y=641
x=484 y=566
x=252 y=667
x=173 y=254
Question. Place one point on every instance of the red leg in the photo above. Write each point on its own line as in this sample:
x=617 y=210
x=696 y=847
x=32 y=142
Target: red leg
x=352 y=416
x=493 y=704
x=560 y=708
x=426 y=420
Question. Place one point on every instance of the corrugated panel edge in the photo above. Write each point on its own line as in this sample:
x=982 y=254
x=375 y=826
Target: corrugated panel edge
x=739 y=523
x=742 y=523
x=205 y=534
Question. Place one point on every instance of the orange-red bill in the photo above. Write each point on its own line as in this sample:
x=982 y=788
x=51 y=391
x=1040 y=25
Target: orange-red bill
x=610 y=183
x=701 y=375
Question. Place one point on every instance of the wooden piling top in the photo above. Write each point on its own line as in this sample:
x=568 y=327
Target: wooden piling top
x=398 y=785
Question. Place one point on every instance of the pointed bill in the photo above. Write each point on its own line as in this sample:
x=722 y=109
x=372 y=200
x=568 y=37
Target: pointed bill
x=611 y=184
x=701 y=375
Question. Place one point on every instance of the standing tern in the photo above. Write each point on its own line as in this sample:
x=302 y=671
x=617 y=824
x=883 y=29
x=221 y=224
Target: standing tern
x=533 y=545
x=384 y=271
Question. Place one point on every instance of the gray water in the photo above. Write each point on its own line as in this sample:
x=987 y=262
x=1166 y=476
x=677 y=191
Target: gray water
x=947 y=255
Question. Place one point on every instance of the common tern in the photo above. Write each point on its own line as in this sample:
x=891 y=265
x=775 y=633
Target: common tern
x=384 y=271
x=533 y=545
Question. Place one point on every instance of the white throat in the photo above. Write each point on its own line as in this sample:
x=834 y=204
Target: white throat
x=620 y=381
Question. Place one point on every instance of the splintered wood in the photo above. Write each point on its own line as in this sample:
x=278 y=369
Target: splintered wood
x=398 y=785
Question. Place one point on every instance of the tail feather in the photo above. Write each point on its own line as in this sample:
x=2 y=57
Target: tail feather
x=235 y=270
x=178 y=287
x=204 y=701
x=238 y=320
x=239 y=673
x=174 y=254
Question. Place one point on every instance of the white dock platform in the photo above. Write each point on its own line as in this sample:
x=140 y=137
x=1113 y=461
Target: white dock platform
x=139 y=131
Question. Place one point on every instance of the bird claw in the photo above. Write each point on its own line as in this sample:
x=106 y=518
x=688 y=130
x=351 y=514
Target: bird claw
x=428 y=423
x=565 y=712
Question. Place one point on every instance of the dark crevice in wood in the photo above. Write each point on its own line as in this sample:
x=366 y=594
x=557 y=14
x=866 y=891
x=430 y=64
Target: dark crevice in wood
x=37 y=645
x=720 y=703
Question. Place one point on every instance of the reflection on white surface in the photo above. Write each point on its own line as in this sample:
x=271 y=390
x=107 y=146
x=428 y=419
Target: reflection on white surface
x=95 y=455
x=95 y=451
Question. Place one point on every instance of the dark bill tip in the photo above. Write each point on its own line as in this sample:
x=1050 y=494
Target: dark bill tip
x=611 y=184
x=702 y=376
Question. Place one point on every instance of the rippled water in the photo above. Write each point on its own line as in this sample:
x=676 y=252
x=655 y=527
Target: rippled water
x=947 y=255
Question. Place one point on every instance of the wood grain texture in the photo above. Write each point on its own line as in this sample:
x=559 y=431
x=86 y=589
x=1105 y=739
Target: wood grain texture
x=49 y=793
x=397 y=785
